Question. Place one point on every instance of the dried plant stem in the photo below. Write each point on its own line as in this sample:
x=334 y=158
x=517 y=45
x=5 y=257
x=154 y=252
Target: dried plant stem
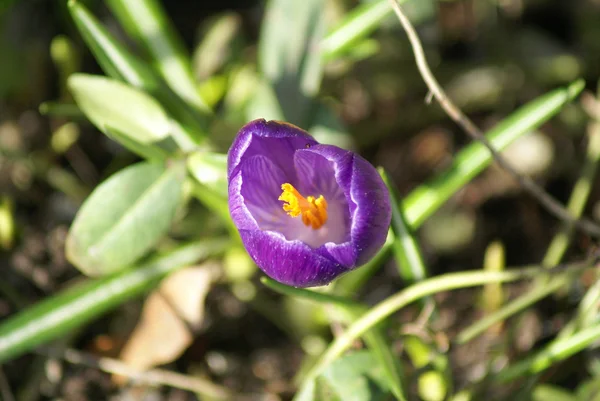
x=155 y=377
x=546 y=200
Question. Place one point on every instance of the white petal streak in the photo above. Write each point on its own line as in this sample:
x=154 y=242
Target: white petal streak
x=316 y=175
x=261 y=187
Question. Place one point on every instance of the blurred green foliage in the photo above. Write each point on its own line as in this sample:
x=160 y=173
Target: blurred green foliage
x=177 y=111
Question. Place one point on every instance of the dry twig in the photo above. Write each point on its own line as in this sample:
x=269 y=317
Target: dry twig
x=154 y=377
x=546 y=200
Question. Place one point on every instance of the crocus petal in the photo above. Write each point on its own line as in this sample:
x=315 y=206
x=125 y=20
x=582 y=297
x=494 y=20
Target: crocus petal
x=241 y=216
x=290 y=262
x=317 y=176
x=371 y=219
x=273 y=139
x=369 y=202
x=261 y=187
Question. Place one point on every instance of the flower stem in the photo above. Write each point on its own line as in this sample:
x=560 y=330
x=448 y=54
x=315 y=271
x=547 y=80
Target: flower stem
x=308 y=294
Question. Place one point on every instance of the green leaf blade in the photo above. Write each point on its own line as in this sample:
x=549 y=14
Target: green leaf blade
x=111 y=104
x=287 y=58
x=359 y=23
x=112 y=56
x=350 y=310
x=74 y=307
x=406 y=248
x=558 y=350
x=148 y=24
x=118 y=63
x=357 y=377
x=210 y=170
x=427 y=198
x=124 y=217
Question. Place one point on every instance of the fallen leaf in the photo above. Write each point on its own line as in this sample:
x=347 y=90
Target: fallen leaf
x=170 y=315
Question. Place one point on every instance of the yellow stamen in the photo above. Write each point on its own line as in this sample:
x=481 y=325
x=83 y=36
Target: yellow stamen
x=313 y=210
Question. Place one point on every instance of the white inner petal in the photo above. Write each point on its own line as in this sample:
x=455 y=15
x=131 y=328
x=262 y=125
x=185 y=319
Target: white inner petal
x=261 y=188
x=334 y=230
x=276 y=219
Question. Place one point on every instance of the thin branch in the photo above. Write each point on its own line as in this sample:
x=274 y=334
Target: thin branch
x=546 y=200
x=155 y=377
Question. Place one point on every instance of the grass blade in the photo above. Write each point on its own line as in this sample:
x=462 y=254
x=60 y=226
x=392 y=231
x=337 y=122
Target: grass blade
x=118 y=63
x=382 y=349
x=578 y=198
x=351 y=310
x=555 y=251
x=359 y=23
x=350 y=282
x=427 y=198
x=315 y=296
x=286 y=59
x=72 y=308
x=411 y=294
x=56 y=109
x=517 y=305
x=406 y=249
x=147 y=23
x=558 y=350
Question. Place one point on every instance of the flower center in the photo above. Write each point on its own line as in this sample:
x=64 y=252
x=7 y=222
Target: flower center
x=313 y=210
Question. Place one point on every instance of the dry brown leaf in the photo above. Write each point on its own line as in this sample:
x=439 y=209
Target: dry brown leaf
x=169 y=314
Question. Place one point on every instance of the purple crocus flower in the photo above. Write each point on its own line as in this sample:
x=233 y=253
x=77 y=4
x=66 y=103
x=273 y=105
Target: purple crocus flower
x=306 y=212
